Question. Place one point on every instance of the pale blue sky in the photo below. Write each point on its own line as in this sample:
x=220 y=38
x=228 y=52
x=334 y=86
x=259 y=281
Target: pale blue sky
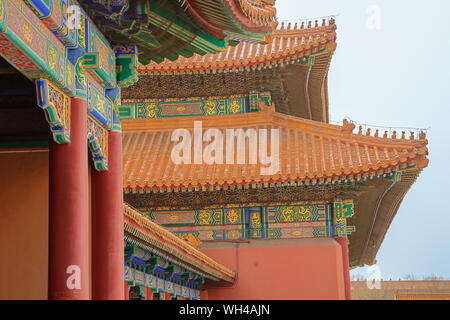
x=397 y=76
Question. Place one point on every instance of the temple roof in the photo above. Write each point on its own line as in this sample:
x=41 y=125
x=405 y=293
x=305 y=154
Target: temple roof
x=158 y=237
x=289 y=44
x=310 y=152
x=167 y=29
x=293 y=67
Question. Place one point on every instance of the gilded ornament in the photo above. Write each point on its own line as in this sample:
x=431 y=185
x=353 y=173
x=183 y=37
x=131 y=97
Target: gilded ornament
x=27 y=33
x=69 y=76
x=52 y=58
x=232 y=216
x=233 y=234
x=99 y=102
x=255 y=220
x=82 y=33
x=235 y=106
x=205 y=217
x=80 y=73
x=210 y=108
x=296 y=214
x=183 y=236
x=2 y=10
x=152 y=110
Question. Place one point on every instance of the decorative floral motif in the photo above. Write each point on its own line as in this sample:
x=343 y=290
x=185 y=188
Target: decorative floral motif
x=232 y=216
x=183 y=236
x=152 y=110
x=182 y=107
x=210 y=108
x=233 y=234
x=235 y=106
x=27 y=33
x=296 y=214
x=69 y=76
x=205 y=217
x=255 y=220
x=52 y=59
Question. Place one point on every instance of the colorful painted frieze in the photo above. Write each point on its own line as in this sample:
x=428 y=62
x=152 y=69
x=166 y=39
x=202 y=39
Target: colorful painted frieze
x=161 y=285
x=139 y=277
x=185 y=292
x=282 y=222
x=200 y=106
x=297 y=213
x=100 y=60
x=28 y=45
x=60 y=16
x=198 y=217
x=150 y=281
x=177 y=290
x=343 y=210
x=143 y=280
x=99 y=106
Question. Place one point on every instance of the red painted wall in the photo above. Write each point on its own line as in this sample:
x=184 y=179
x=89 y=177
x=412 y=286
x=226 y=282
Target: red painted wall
x=280 y=269
x=24 y=225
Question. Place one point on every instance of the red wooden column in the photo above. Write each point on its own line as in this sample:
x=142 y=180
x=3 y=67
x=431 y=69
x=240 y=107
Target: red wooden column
x=149 y=293
x=344 y=246
x=125 y=289
x=107 y=225
x=69 y=211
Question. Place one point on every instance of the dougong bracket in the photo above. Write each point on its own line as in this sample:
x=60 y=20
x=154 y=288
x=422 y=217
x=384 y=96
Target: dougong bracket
x=56 y=106
x=98 y=144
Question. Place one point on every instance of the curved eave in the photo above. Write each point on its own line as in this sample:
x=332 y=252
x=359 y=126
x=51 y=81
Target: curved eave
x=156 y=236
x=193 y=9
x=286 y=47
x=374 y=217
x=319 y=153
x=250 y=18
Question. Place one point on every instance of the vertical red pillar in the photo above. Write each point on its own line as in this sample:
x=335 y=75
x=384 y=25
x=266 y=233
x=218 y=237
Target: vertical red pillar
x=107 y=225
x=167 y=296
x=344 y=246
x=149 y=293
x=69 y=211
x=125 y=289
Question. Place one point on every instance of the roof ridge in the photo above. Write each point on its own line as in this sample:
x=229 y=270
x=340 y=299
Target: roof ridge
x=285 y=45
x=334 y=152
x=267 y=116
